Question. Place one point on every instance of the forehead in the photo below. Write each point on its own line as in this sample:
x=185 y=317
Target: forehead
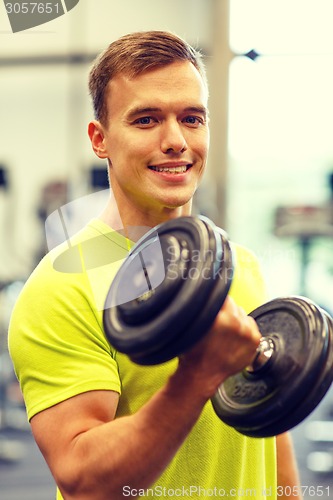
x=178 y=84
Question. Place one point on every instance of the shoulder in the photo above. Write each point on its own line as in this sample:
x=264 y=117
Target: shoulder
x=72 y=279
x=76 y=267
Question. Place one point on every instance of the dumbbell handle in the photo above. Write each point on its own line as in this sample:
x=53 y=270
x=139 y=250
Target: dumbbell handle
x=263 y=355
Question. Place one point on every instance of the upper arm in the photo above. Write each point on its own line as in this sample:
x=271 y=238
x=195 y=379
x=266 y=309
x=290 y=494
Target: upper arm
x=287 y=471
x=56 y=429
x=57 y=342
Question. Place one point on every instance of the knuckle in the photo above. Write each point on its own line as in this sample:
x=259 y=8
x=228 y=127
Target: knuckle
x=235 y=322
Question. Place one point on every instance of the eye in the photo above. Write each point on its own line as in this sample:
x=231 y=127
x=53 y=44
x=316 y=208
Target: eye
x=193 y=121
x=145 y=121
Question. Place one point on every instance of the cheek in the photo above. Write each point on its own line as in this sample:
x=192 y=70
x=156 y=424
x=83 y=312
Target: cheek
x=135 y=146
x=203 y=147
x=207 y=138
x=199 y=142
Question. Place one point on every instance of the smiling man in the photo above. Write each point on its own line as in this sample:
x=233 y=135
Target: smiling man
x=107 y=427
x=155 y=136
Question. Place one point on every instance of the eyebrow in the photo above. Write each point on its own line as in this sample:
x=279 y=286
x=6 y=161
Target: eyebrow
x=141 y=111
x=149 y=109
x=197 y=109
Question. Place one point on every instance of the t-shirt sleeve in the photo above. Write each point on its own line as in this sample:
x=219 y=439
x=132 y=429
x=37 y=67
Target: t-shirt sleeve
x=56 y=340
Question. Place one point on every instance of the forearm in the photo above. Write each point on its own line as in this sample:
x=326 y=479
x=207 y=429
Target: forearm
x=131 y=450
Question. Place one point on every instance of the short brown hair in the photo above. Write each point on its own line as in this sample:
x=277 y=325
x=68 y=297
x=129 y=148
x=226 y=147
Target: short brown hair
x=134 y=54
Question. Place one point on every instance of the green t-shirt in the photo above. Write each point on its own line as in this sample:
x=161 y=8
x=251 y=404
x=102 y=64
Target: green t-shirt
x=59 y=350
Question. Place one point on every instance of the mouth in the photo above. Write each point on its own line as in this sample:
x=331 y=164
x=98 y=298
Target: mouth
x=179 y=169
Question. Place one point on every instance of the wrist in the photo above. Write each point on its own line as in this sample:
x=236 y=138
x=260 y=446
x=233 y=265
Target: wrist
x=188 y=384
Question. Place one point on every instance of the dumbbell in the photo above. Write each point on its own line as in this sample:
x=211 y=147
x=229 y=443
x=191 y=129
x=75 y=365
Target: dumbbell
x=164 y=299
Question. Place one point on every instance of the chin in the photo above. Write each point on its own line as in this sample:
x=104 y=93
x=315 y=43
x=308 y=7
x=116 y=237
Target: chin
x=174 y=201
x=180 y=208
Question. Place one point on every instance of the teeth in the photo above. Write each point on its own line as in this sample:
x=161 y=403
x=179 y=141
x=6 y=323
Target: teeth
x=171 y=170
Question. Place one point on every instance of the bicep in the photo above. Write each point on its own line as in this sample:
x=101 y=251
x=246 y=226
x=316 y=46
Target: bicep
x=56 y=428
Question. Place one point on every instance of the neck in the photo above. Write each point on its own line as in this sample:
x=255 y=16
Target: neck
x=134 y=221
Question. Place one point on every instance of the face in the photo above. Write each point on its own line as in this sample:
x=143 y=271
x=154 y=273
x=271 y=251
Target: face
x=156 y=140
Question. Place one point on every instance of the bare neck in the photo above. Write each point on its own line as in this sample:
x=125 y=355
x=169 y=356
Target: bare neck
x=134 y=222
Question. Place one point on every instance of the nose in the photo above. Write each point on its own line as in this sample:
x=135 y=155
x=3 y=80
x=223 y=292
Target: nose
x=172 y=138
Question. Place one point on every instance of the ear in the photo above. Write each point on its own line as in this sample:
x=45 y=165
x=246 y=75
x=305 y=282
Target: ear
x=97 y=138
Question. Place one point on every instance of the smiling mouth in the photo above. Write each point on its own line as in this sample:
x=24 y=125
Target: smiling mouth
x=172 y=170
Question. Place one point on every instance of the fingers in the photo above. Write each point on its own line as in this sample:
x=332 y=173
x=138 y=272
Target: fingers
x=228 y=347
x=234 y=317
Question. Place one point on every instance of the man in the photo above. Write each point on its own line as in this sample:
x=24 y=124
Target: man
x=106 y=427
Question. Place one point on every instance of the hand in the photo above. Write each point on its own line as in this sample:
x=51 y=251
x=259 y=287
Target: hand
x=228 y=347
